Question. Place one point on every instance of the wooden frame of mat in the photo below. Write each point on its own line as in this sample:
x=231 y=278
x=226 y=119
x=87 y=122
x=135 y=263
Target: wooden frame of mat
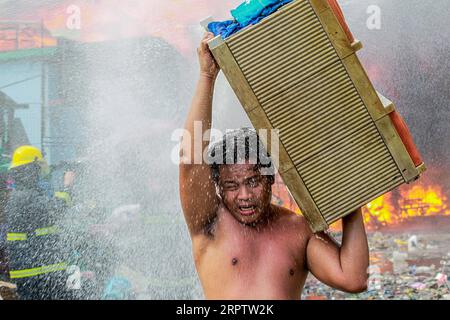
x=378 y=106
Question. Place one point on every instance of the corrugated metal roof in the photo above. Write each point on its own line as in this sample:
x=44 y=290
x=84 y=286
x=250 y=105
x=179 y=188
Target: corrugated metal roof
x=27 y=53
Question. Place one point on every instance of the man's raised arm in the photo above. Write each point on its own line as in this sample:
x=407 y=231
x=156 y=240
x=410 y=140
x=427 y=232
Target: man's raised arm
x=197 y=189
x=344 y=267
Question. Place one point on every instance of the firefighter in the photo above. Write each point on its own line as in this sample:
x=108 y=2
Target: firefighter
x=65 y=195
x=32 y=236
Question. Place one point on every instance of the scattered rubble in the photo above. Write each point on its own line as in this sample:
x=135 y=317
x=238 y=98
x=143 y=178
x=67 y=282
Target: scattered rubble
x=403 y=267
x=7 y=291
x=396 y=272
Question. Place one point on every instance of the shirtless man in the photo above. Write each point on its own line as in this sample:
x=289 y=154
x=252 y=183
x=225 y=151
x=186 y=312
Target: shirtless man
x=244 y=247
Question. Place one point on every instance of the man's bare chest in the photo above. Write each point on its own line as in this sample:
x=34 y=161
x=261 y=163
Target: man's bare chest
x=254 y=254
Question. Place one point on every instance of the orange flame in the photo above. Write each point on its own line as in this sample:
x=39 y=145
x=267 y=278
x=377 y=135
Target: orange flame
x=423 y=201
x=380 y=210
x=409 y=201
x=282 y=197
x=418 y=200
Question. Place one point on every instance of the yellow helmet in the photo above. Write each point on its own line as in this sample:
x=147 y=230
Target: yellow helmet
x=25 y=155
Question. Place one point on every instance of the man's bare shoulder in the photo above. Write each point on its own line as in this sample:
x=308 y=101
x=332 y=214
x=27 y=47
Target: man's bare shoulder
x=298 y=222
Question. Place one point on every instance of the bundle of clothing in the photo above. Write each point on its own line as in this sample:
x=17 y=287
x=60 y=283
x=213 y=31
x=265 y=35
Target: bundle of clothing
x=248 y=13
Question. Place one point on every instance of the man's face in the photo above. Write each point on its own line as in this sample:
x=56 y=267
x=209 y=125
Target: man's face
x=245 y=192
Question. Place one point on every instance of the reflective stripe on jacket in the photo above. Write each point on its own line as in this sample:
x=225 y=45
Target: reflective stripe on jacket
x=13 y=236
x=16 y=237
x=26 y=273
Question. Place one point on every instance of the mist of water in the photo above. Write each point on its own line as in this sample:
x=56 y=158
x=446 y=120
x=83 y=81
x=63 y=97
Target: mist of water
x=127 y=97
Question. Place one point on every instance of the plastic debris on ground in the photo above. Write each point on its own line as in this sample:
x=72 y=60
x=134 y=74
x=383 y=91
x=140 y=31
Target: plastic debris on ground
x=396 y=271
x=248 y=13
x=7 y=291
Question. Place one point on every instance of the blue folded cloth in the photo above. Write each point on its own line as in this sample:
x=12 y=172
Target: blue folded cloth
x=229 y=27
x=250 y=9
x=224 y=28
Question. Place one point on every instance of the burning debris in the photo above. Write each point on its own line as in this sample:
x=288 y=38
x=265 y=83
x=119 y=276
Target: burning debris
x=404 y=266
x=406 y=205
x=417 y=204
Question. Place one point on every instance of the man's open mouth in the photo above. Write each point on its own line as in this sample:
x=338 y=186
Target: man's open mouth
x=247 y=210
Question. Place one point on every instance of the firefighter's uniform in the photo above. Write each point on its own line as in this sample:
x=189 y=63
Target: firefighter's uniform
x=36 y=265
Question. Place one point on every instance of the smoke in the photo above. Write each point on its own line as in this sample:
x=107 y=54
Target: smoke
x=408 y=61
x=123 y=99
x=14 y=8
x=176 y=21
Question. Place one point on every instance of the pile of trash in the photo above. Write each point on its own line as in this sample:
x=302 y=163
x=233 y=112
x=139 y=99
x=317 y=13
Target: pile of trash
x=403 y=267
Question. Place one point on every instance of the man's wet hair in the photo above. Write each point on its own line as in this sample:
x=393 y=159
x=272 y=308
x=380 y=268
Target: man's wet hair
x=239 y=146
